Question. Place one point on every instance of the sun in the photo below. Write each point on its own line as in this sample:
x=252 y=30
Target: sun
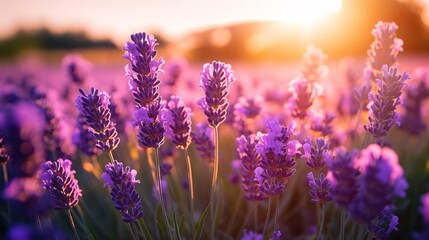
x=306 y=12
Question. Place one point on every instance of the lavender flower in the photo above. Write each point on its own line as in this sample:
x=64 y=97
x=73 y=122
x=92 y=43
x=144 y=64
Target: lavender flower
x=319 y=188
x=58 y=178
x=278 y=153
x=317 y=155
x=216 y=79
x=385 y=48
x=314 y=68
x=276 y=235
x=384 y=102
x=250 y=235
x=77 y=68
x=250 y=160
x=122 y=183
x=303 y=93
x=178 y=122
x=203 y=141
x=95 y=108
x=425 y=208
x=84 y=139
x=143 y=69
x=322 y=123
x=380 y=182
x=381 y=227
x=245 y=110
x=151 y=129
x=343 y=177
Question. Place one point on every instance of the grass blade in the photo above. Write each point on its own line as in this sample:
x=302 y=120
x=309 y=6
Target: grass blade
x=200 y=224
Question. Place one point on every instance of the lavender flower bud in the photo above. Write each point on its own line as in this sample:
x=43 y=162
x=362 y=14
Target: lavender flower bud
x=143 y=69
x=303 y=93
x=151 y=129
x=317 y=155
x=216 y=79
x=278 y=155
x=381 y=227
x=202 y=138
x=384 y=49
x=319 y=188
x=95 y=108
x=380 y=182
x=251 y=235
x=178 y=122
x=250 y=160
x=322 y=123
x=343 y=177
x=77 y=68
x=122 y=183
x=382 y=115
x=314 y=68
x=58 y=178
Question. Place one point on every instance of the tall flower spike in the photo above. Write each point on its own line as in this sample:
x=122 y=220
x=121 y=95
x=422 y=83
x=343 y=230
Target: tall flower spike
x=303 y=93
x=143 y=70
x=203 y=141
x=319 y=188
x=314 y=67
x=178 y=122
x=384 y=49
x=122 y=181
x=317 y=155
x=249 y=162
x=343 y=177
x=381 y=181
x=58 y=178
x=382 y=115
x=151 y=129
x=278 y=155
x=95 y=108
x=84 y=139
x=77 y=68
x=216 y=79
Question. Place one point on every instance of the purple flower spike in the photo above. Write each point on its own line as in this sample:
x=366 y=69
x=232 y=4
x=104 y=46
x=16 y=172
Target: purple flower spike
x=343 y=177
x=322 y=123
x=178 y=122
x=381 y=181
x=245 y=110
x=314 y=67
x=58 y=178
x=77 y=68
x=250 y=160
x=319 y=188
x=122 y=182
x=381 y=227
x=317 y=155
x=251 y=235
x=143 y=69
x=382 y=115
x=278 y=155
x=384 y=49
x=216 y=79
x=303 y=93
x=151 y=130
x=95 y=109
x=202 y=138
x=84 y=139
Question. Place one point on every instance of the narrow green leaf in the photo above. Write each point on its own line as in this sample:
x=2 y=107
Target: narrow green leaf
x=146 y=232
x=162 y=227
x=200 y=223
x=176 y=226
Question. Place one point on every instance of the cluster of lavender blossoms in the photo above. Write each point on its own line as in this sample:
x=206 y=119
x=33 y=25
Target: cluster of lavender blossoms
x=201 y=137
x=303 y=93
x=58 y=178
x=122 y=181
x=178 y=122
x=278 y=153
x=94 y=107
x=245 y=112
x=382 y=115
x=216 y=79
x=250 y=160
x=384 y=49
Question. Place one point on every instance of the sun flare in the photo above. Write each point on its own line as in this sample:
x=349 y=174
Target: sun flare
x=307 y=12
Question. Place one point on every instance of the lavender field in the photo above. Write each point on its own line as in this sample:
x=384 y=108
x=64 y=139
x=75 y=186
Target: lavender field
x=154 y=147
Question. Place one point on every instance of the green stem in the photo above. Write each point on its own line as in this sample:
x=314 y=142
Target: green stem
x=322 y=220
x=214 y=183
x=276 y=211
x=160 y=192
x=191 y=192
x=72 y=224
x=5 y=175
x=342 y=223
x=39 y=223
x=268 y=215
x=132 y=231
